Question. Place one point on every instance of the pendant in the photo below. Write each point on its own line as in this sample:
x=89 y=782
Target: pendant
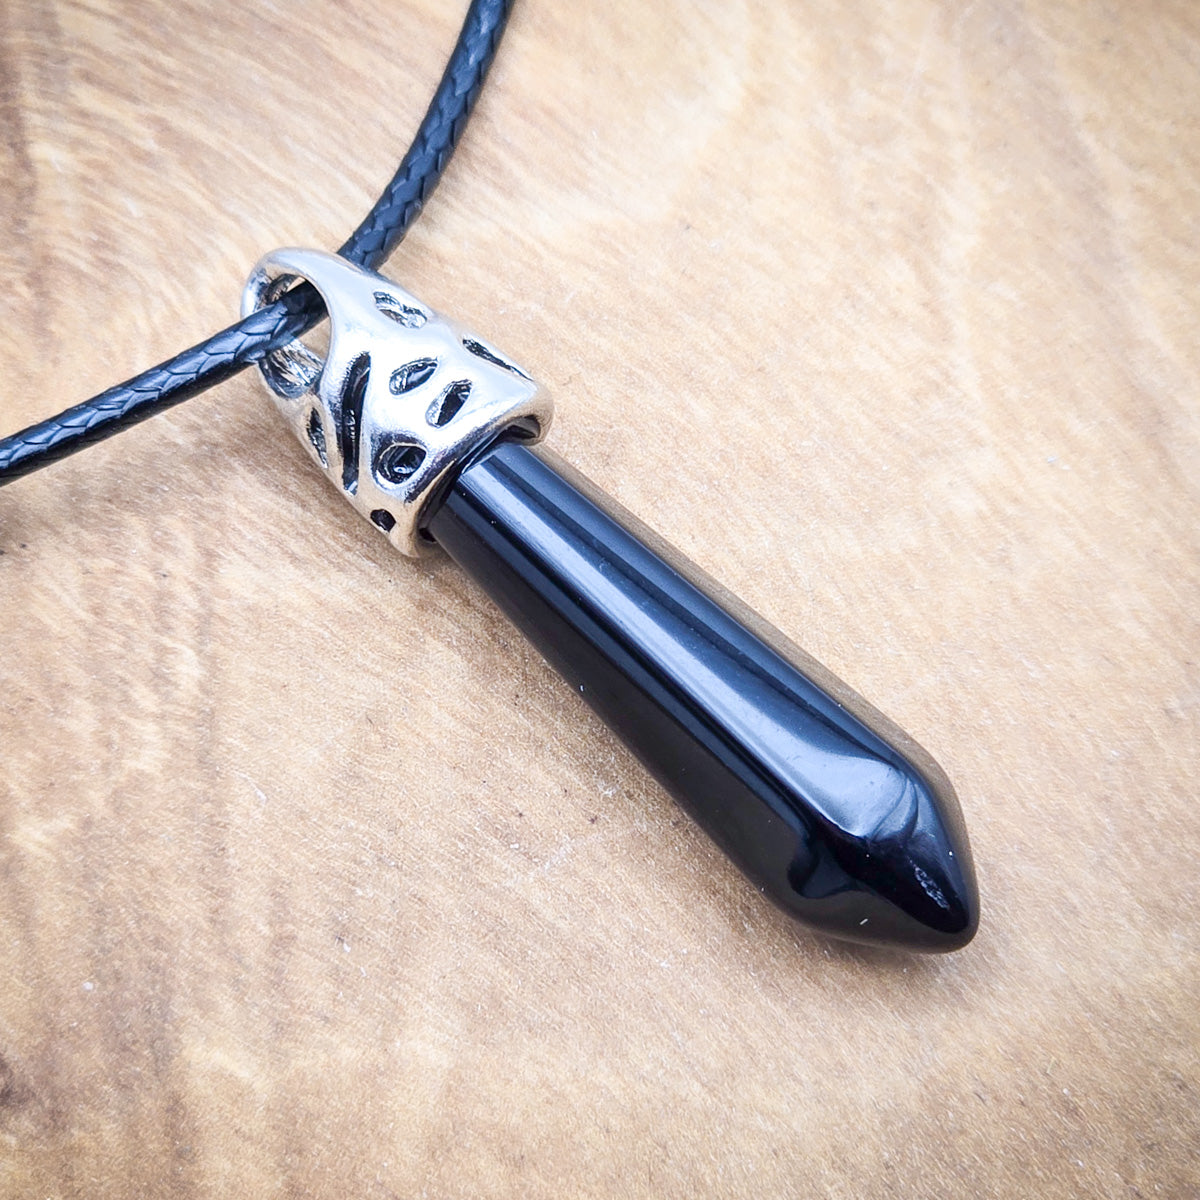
x=431 y=433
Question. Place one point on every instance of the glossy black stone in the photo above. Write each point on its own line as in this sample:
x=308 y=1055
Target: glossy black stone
x=830 y=810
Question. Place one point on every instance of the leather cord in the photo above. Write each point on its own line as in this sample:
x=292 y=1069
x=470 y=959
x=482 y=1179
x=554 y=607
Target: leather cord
x=224 y=354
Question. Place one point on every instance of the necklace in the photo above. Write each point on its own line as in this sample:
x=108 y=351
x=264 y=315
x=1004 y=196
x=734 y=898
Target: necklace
x=431 y=434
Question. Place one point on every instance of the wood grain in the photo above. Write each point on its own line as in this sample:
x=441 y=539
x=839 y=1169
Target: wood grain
x=315 y=881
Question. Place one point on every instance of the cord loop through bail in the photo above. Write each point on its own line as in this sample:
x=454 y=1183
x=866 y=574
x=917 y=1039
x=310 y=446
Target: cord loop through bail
x=403 y=398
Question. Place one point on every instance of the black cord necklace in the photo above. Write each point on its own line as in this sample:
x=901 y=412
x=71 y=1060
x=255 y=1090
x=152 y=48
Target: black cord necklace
x=428 y=431
x=223 y=355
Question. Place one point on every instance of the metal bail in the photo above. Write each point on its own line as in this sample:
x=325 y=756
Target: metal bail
x=403 y=398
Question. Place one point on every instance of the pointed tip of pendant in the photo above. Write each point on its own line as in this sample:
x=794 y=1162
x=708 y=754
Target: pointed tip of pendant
x=927 y=900
x=908 y=884
x=937 y=872
x=925 y=881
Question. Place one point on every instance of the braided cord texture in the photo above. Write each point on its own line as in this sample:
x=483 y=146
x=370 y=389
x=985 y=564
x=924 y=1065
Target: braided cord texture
x=224 y=354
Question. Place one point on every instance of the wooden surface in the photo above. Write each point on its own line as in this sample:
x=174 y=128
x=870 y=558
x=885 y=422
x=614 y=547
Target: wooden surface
x=315 y=881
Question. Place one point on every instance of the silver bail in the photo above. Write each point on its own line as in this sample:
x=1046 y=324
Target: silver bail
x=403 y=398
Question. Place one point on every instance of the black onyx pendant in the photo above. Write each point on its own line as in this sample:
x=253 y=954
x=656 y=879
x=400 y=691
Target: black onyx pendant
x=830 y=810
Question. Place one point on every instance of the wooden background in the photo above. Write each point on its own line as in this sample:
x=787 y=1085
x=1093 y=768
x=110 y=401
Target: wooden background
x=315 y=881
